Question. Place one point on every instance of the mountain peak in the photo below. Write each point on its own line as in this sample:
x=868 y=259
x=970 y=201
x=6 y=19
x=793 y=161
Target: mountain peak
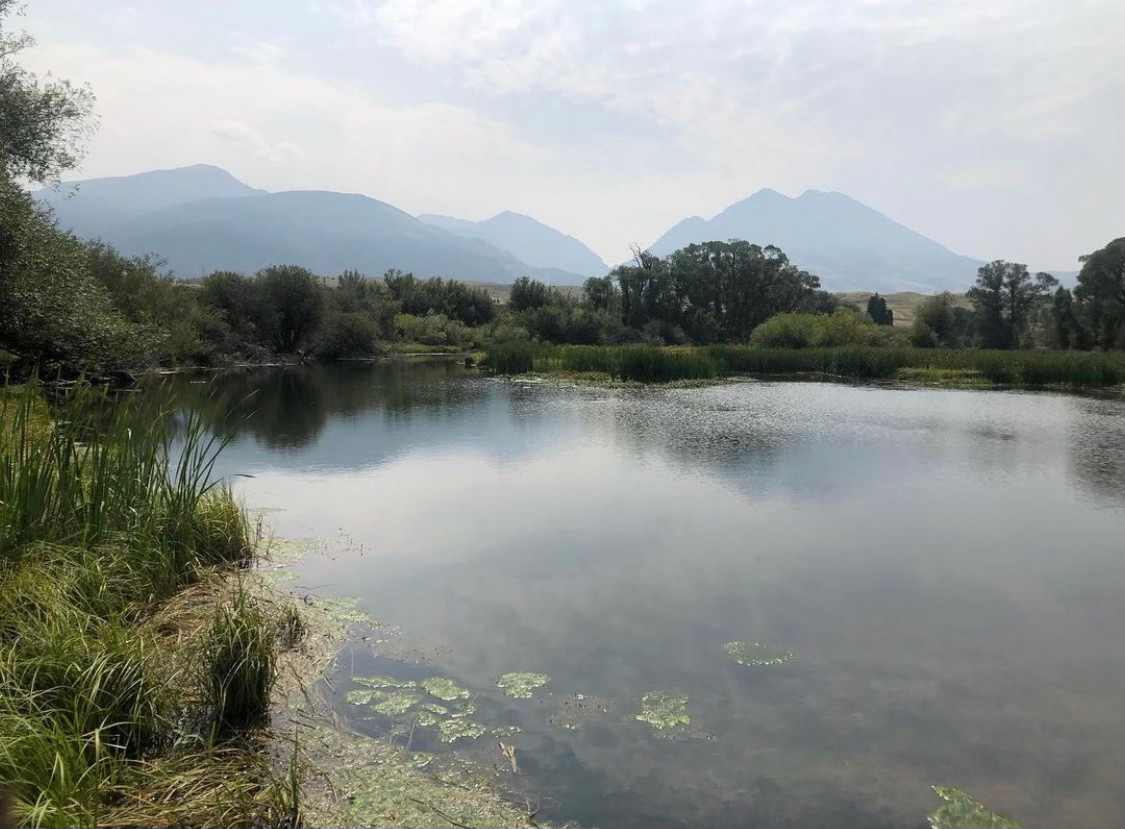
x=848 y=244
x=530 y=241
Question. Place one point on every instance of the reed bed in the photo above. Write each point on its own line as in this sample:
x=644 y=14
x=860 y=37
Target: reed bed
x=107 y=511
x=654 y=364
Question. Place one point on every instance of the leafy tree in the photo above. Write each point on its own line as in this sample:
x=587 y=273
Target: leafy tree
x=1101 y=290
x=44 y=121
x=295 y=303
x=878 y=311
x=601 y=294
x=527 y=294
x=1004 y=296
x=715 y=290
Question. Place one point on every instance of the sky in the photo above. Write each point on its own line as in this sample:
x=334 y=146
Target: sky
x=996 y=127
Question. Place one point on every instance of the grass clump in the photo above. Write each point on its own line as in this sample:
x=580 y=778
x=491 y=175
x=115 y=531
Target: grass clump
x=239 y=664
x=108 y=512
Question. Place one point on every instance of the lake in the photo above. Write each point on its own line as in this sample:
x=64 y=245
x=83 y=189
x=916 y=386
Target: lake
x=946 y=569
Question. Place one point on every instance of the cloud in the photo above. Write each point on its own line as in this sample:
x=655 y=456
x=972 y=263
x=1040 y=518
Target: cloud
x=613 y=119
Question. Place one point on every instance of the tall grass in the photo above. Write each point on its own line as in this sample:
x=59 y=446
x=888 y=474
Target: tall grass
x=108 y=509
x=1017 y=368
x=239 y=665
x=652 y=364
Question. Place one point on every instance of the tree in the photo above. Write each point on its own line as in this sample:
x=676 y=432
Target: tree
x=714 y=290
x=1101 y=290
x=878 y=311
x=295 y=305
x=44 y=122
x=1004 y=296
x=527 y=294
x=601 y=293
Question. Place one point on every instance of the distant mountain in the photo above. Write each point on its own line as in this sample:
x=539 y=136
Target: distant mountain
x=95 y=206
x=847 y=244
x=200 y=219
x=528 y=240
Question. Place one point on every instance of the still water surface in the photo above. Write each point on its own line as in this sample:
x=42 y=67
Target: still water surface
x=947 y=566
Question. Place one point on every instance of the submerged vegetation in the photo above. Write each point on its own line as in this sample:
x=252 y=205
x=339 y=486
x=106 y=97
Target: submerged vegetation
x=962 y=811
x=521 y=685
x=107 y=512
x=757 y=655
x=664 y=711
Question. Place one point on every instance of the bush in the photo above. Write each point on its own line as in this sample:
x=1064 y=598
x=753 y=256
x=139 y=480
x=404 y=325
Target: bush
x=348 y=335
x=844 y=327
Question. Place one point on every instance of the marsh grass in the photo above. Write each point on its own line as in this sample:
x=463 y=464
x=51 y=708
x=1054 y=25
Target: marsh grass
x=653 y=364
x=239 y=664
x=109 y=514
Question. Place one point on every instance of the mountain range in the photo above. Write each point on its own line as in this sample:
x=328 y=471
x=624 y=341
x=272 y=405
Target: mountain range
x=201 y=218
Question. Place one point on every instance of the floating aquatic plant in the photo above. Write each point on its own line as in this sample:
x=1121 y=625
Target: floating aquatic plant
x=755 y=654
x=396 y=703
x=521 y=685
x=444 y=688
x=664 y=711
x=383 y=682
x=452 y=730
x=963 y=811
x=390 y=702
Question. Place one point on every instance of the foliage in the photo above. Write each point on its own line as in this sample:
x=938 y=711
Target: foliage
x=802 y=330
x=53 y=312
x=1005 y=296
x=878 y=311
x=239 y=665
x=351 y=334
x=1101 y=290
x=940 y=321
x=453 y=299
x=961 y=810
x=715 y=291
x=45 y=121
x=104 y=516
x=527 y=294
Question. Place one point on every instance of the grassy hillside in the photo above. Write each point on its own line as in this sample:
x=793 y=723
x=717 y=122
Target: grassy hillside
x=902 y=303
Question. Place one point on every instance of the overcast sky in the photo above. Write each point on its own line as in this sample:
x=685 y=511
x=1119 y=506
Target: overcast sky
x=996 y=127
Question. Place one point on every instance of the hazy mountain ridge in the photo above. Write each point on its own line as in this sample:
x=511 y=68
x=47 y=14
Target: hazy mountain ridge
x=528 y=239
x=200 y=218
x=848 y=244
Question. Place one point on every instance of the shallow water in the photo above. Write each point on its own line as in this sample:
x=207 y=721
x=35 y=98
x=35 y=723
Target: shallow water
x=947 y=567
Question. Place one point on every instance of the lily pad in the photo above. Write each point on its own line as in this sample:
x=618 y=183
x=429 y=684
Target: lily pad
x=434 y=708
x=444 y=688
x=521 y=685
x=756 y=655
x=963 y=811
x=452 y=730
x=428 y=718
x=664 y=711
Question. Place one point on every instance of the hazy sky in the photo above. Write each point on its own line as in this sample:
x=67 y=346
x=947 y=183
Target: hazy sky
x=994 y=126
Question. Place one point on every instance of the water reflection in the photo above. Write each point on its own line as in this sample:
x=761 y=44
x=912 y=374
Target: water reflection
x=946 y=566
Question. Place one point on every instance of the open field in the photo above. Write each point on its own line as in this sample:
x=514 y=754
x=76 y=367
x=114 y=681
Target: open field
x=902 y=303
